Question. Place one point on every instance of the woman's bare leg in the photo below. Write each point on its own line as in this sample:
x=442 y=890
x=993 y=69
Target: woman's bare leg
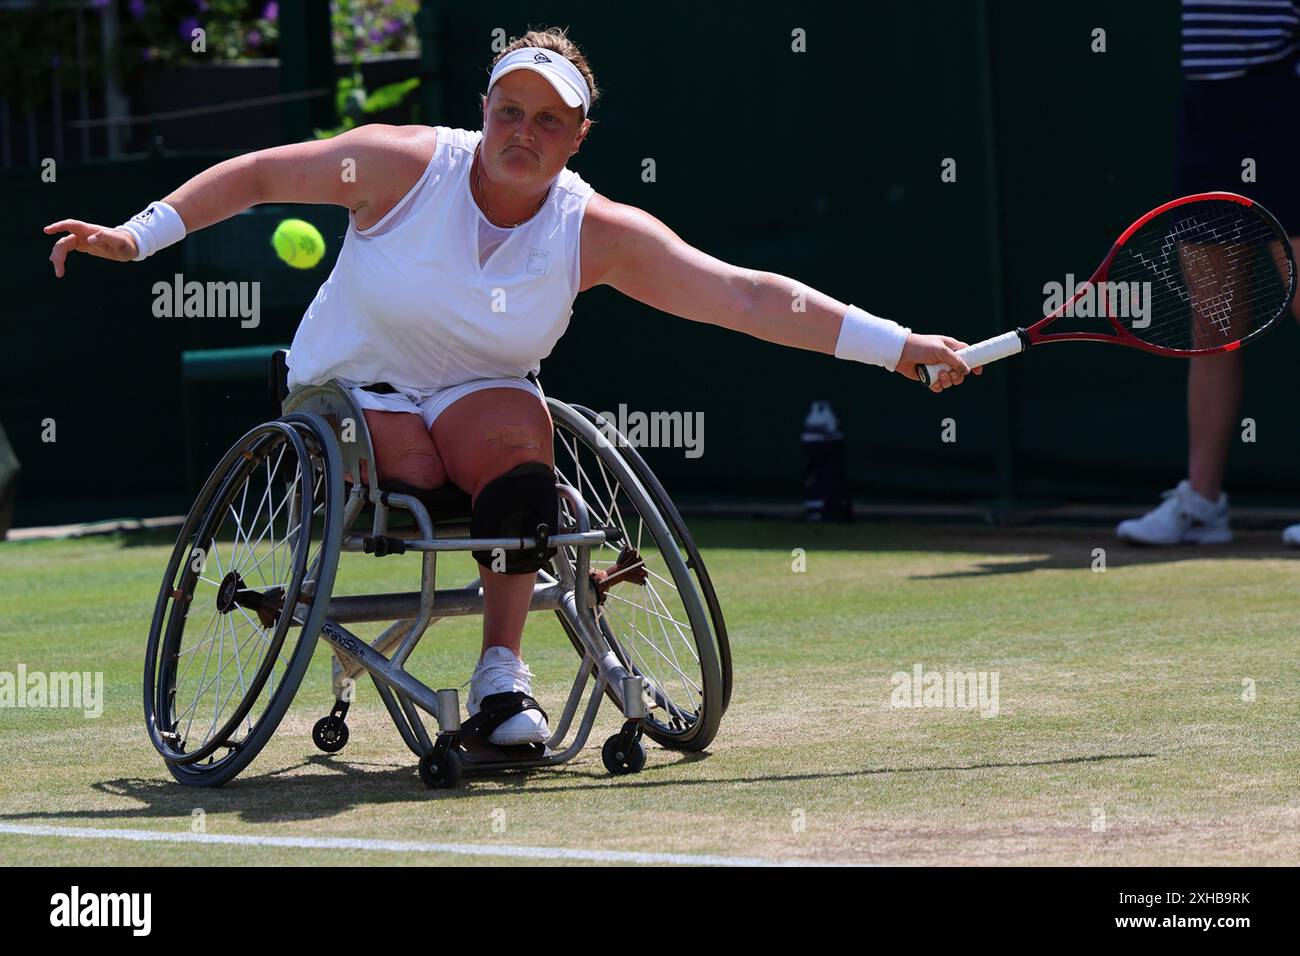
x=404 y=450
x=480 y=437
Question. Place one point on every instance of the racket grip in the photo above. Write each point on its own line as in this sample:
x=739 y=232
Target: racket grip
x=981 y=353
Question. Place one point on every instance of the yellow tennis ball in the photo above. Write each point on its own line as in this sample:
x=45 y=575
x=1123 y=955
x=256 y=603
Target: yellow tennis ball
x=298 y=243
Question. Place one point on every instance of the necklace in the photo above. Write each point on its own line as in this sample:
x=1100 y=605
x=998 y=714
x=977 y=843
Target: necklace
x=478 y=179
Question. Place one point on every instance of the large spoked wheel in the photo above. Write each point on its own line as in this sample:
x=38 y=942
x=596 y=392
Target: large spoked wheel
x=685 y=543
x=243 y=599
x=653 y=602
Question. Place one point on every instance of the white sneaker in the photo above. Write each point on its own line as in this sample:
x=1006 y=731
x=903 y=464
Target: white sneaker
x=500 y=672
x=1291 y=536
x=1183 y=518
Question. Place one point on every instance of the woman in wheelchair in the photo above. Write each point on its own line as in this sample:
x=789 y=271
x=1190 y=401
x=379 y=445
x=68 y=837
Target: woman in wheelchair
x=457 y=276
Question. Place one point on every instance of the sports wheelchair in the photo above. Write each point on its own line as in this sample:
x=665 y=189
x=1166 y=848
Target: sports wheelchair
x=250 y=587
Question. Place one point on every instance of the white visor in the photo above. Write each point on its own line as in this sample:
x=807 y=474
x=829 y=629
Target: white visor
x=559 y=72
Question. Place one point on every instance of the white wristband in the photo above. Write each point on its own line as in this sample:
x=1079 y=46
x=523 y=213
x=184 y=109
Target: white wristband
x=155 y=228
x=867 y=338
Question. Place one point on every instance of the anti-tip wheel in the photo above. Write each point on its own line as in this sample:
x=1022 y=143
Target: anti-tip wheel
x=330 y=735
x=443 y=772
x=620 y=758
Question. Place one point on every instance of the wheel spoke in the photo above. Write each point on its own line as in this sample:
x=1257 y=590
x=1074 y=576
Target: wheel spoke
x=207 y=640
x=270 y=527
x=216 y=680
x=256 y=528
x=686 y=682
x=649 y=623
x=262 y=559
x=264 y=496
x=670 y=644
x=651 y=644
x=195 y=705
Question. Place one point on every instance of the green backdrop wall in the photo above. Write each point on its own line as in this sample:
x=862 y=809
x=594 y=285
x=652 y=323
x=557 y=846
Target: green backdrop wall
x=821 y=165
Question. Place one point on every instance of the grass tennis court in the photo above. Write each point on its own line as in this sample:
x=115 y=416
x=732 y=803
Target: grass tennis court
x=1121 y=734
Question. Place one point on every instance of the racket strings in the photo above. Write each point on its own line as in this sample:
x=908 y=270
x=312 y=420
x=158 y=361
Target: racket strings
x=1209 y=273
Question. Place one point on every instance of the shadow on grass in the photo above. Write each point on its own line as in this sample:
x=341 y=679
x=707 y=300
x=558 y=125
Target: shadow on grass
x=1027 y=548
x=1031 y=548
x=276 y=797
x=1075 y=554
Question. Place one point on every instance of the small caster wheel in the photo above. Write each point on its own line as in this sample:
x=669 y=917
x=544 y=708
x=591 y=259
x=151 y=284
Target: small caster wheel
x=441 y=771
x=330 y=735
x=620 y=757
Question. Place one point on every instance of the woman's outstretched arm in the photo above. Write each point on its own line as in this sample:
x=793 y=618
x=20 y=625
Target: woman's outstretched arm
x=364 y=166
x=632 y=251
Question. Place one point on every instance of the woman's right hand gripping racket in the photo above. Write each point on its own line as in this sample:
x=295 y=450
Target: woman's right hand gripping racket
x=1202 y=274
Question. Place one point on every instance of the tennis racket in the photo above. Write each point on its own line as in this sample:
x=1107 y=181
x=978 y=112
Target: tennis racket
x=1202 y=274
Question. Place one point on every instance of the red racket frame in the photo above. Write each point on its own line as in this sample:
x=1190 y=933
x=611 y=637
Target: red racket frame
x=1034 y=336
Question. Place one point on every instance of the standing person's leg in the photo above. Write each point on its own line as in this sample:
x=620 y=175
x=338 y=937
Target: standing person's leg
x=1195 y=512
x=1214 y=381
x=1291 y=535
x=1213 y=403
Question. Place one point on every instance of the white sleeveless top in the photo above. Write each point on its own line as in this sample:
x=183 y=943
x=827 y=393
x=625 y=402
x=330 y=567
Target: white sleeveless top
x=408 y=303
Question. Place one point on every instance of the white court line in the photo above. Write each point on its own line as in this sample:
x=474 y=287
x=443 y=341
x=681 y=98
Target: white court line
x=394 y=846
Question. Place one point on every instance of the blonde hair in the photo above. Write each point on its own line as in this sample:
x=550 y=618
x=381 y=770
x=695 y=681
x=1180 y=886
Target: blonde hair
x=555 y=39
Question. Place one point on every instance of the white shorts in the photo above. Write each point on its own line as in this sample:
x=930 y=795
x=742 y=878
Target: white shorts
x=430 y=404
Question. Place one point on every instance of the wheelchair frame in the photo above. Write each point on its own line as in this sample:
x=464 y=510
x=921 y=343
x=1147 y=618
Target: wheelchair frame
x=573 y=592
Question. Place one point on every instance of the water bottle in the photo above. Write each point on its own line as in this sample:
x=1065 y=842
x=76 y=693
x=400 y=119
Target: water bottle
x=825 y=490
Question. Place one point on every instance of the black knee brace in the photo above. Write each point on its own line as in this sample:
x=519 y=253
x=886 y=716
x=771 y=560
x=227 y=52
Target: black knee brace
x=512 y=506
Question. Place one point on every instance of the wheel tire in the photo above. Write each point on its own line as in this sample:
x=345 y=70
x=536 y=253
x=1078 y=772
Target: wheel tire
x=330 y=735
x=618 y=761
x=694 y=561
x=443 y=774
x=314 y=442
x=686 y=724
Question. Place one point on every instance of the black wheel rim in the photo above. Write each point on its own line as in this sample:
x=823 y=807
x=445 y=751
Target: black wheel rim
x=254 y=520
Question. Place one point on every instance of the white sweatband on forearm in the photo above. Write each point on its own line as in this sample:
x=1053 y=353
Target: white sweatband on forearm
x=867 y=338
x=155 y=228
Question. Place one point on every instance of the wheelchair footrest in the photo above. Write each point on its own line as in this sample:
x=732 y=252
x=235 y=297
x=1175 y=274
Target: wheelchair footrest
x=481 y=751
x=495 y=710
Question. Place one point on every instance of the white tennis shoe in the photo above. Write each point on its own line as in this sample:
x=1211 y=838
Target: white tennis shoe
x=1184 y=517
x=500 y=672
x=1291 y=536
